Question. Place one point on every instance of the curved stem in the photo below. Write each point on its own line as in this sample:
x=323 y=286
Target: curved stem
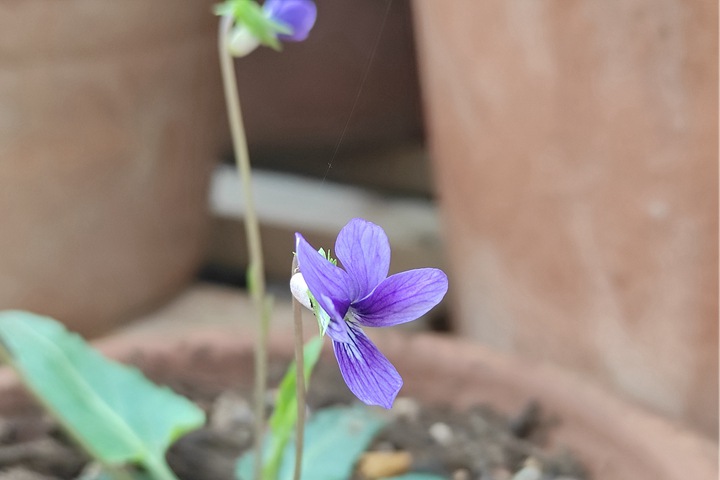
x=256 y=269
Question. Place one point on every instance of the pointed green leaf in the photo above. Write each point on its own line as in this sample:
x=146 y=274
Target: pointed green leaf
x=285 y=412
x=112 y=410
x=335 y=439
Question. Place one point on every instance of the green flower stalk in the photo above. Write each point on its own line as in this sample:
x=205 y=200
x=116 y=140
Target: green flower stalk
x=244 y=26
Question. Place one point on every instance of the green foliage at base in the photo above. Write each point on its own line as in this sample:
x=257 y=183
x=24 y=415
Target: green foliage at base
x=116 y=414
x=334 y=438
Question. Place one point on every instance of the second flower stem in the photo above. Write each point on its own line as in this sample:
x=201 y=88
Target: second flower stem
x=299 y=383
x=256 y=269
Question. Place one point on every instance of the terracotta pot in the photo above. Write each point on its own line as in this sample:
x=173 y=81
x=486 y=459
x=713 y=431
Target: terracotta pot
x=575 y=146
x=112 y=118
x=616 y=440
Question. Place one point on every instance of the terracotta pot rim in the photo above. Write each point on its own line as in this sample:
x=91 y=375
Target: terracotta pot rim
x=615 y=438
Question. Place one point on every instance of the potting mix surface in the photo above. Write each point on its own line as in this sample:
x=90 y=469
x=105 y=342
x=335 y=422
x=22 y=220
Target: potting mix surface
x=477 y=443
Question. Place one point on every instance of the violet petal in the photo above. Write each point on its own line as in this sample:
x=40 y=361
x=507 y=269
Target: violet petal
x=299 y=15
x=330 y=285
x=367 y=373
x=401 y=298
x=364 y=251
x=336 y=329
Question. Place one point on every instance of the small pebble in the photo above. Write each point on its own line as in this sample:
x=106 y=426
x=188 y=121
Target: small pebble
x=22 y=474
x=501 y=474
x=91 y=471
x=461 y=474
x=441 y=433
x=531 y=471
x=44 y=455
x=6 y=431
x=406 y=409
x=384 y=446
x=230 y=411
x=384 y=464
x=526 y=421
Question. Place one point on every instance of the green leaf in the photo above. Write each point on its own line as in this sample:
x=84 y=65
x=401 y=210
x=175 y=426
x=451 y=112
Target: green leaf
x=112 y=410
x=335 y=438
x=284 y=416
x=285 y=412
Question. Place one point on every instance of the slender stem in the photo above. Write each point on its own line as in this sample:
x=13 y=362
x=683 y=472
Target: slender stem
x=299 y=383
x=256 y=271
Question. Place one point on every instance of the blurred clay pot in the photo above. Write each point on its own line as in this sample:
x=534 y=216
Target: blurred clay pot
x=112 y=118
x=575 y=147
x=615 y=439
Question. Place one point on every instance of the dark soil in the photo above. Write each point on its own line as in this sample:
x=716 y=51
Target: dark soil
x=475 y=444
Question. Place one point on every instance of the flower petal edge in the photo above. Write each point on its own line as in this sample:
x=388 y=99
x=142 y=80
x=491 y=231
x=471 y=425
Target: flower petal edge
x=401 y=298
x=366 y=371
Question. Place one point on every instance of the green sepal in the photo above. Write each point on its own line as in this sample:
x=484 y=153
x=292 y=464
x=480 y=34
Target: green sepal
x=327 y=256
x=321 y=315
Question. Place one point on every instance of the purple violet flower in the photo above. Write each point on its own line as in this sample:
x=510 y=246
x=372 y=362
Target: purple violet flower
x=299 y=15
x=361 y=294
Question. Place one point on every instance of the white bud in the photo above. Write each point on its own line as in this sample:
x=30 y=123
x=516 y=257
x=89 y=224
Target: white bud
x=300 y=290
x=241 y=41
